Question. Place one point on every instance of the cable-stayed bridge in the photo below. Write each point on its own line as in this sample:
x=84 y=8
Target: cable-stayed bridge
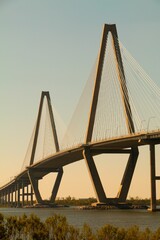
x=119 y=111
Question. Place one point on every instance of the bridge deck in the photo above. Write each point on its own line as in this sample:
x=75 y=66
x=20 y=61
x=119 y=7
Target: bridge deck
x=63 y=158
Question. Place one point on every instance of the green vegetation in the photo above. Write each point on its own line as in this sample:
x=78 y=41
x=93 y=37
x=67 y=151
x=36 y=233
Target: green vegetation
x=71 y=201
x=141 y=201
x=57 y=228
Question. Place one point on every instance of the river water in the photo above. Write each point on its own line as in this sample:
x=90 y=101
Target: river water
x=95 y=218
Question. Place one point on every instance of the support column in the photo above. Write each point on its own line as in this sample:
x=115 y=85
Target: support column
x=0 y=197
x=23 y=193
x=153 y=178
x=4 y=197
x=18 y=194
x=128 y=174
x=27 y=194
x=9 y=197
x=56 y=185
x=31 y=195
x=12 y=196
x=101 y=196
x=15 y=195
x=34 y=184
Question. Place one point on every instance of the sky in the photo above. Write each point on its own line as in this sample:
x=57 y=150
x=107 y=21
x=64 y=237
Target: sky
x=51 y=45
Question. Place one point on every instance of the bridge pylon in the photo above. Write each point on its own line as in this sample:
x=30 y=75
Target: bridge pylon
x=129 y=170
x=36 y=174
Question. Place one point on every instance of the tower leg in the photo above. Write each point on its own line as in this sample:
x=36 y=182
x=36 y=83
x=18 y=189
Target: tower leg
x=128 y=174
x=56 y=185
x=34 y=185
x=153 y=178
x=101 y=196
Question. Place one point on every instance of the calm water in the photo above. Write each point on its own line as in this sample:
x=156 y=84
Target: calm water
x=95 y=218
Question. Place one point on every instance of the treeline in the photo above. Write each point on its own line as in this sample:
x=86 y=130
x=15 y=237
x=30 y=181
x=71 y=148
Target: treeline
x=57 y=228
x=141 y=201
x=71 y=201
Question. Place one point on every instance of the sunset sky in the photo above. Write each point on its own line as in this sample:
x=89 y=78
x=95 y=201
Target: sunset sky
x=51 y=45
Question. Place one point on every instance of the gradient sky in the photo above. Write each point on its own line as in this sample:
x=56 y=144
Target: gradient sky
x=51 y=45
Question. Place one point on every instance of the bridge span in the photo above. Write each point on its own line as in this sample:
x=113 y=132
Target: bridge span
x=20 y=190
x=124 y=145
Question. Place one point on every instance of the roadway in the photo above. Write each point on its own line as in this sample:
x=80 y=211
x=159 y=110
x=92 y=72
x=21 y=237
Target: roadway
x=60 y=159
